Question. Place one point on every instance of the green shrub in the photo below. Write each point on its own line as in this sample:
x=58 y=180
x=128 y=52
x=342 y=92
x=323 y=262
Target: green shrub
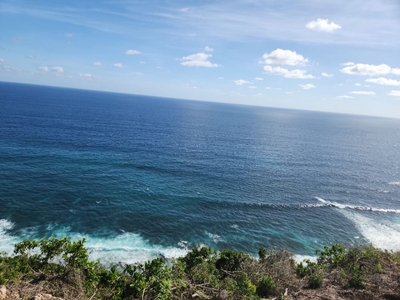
x=230 y=260
x=331 y=257
x=262 y=253
x=241 y=287
x=197 y=256
x=302 y=270
x=266 y=287
x=315 y=280
x=356 y=280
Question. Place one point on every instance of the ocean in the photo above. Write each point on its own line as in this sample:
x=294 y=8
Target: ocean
x=142 y=176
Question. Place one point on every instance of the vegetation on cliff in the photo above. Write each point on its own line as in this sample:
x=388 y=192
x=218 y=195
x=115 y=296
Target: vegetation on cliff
x=62 y=268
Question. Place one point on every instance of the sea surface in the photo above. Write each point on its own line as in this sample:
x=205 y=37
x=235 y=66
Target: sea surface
x=141 y=176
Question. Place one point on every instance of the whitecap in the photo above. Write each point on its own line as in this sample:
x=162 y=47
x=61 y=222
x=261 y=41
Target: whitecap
x=7 y=241
x=125 y=248
x=129 y=248
x=215 y=237
x=183 y=244
x=395 y=183
x=300 y=258
x=384 y=235
x=355 y=207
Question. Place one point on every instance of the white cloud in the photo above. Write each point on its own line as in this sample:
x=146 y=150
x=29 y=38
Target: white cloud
x=258 y=78
x=185 y=9
x=295 y=74
x=118 y=65
x=30 y=56
x=327 y=75
x=365 y=69
x=283 y=57
x=323 y=25
x=307 y=86
x=44 y=69
x=1 y=60
x=132 y=52
x=362 y=93
x=384 y=81
x=86 y=75
x=357 y=84
x=241 y=82
x=57 y=70
x=97 y=63
x=252 y=87
x=345 y=97
x=69 y=35
x=208 y=49
x=220 y=78
x=347 y=64
x=396 y=71
x=394 y=93
x=198 y=60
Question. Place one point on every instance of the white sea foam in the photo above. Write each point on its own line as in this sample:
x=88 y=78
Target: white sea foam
x=183 y=244
x=7 y=241
x=125 y=248
x=395 y=183
x=129 y=248
x=215 y=237
x=300 y=258
x=355 y=207
x=384 y=235
x=5 y=225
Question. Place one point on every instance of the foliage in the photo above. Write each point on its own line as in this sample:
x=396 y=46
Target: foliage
x=197 y=256
x=262 y=253
x=266 y=286
x=240 y=286
x=203 y=273
x=315 y=280
x=230 y=260
x=331 y=257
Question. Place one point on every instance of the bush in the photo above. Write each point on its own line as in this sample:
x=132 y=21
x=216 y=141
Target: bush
x=64 y=266
x=356 y=279
x=262 y=253
x=230 y=260
x=302 y=270
x=315 y=280
x=240 y=286
x=197 y=256
x=331 y=257
x=266 y=287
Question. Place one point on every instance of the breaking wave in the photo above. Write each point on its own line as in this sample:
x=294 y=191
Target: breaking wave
x=381 y=233
x=125 y=248
x=355 y=207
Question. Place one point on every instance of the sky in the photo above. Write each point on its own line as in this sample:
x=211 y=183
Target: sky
x=336 y=56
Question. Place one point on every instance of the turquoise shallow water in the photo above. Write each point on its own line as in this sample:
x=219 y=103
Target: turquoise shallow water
x=142 y=176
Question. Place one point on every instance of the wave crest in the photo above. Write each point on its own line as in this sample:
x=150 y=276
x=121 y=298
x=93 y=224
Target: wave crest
x=355 y=207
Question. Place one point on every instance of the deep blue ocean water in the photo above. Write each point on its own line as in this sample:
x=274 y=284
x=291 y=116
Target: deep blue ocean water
x=143 y=176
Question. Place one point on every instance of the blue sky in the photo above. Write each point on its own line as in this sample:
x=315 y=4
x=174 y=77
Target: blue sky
x=339 y=56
